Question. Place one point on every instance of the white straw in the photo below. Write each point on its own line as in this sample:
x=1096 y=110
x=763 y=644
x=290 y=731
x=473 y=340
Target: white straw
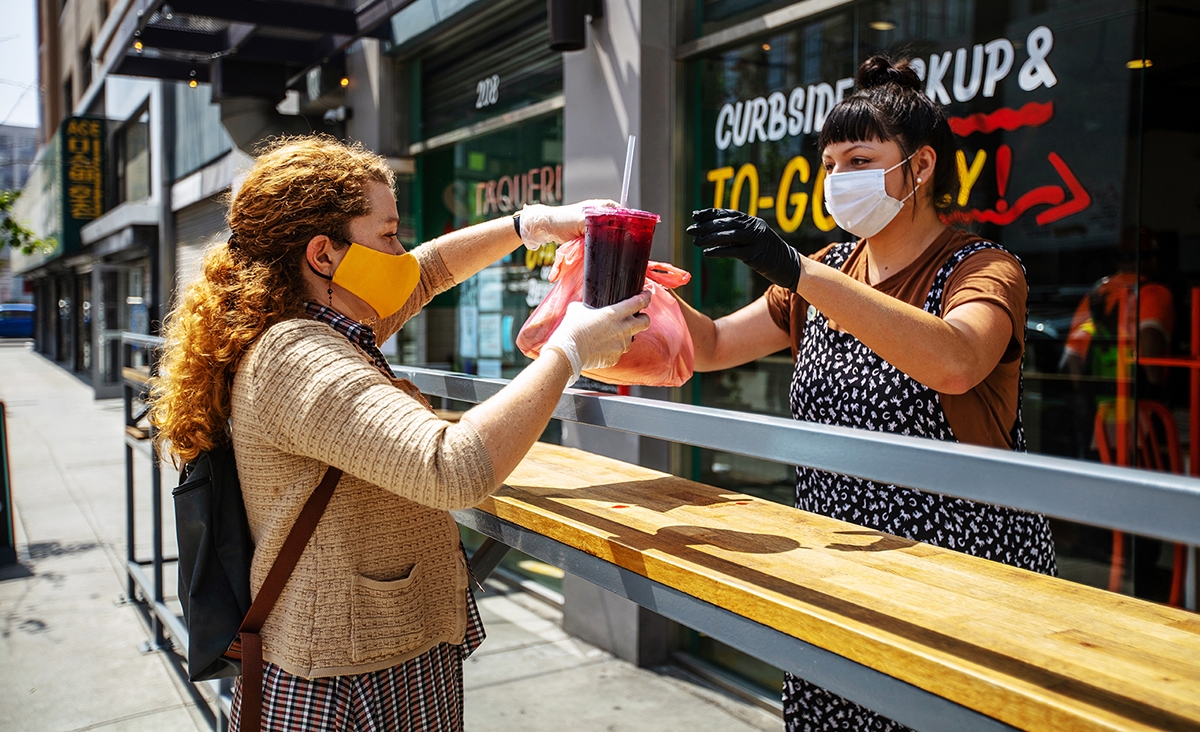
x=628 y=170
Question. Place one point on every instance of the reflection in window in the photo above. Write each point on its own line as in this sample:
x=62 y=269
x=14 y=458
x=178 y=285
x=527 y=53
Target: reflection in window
x=1093 y=198
x=132 y=144
x=200 y=137
x=480 y=179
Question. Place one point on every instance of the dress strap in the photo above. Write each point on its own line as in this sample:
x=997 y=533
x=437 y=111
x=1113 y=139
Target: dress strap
x=933 y=304
x=838 y=255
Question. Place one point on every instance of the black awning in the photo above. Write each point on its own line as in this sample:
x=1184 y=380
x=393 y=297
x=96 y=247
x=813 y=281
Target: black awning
x=243 y=47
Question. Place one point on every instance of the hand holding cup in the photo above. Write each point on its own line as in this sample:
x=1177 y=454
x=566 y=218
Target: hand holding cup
x=596 y=338
x=542 y=224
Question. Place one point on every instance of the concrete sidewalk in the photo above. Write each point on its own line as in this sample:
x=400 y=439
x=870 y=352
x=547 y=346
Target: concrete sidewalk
x=70 y=657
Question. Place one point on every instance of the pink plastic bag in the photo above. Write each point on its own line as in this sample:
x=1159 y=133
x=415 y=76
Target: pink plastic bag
x=660 y=356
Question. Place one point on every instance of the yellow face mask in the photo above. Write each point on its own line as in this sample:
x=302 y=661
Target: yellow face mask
x=383 y=281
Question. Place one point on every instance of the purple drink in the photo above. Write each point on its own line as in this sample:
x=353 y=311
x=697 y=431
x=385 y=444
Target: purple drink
x=616 y=249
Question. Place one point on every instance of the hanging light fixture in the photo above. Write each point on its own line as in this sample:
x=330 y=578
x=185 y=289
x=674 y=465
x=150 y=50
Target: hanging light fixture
x=568 y=24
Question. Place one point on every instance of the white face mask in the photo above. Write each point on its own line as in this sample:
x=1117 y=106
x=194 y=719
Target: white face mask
x=859 y=201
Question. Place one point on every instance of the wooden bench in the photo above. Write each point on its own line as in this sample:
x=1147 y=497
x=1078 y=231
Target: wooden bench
x=1034 y=652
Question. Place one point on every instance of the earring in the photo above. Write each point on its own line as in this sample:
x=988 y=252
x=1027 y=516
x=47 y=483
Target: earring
x=330 y=296
x=918 y=181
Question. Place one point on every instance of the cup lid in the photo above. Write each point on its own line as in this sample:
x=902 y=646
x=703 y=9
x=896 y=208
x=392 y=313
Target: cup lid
x=631 y=213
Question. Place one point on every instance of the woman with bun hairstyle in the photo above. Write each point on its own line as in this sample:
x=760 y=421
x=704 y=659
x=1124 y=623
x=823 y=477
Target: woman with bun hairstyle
x=914 y=328
x=273 y=350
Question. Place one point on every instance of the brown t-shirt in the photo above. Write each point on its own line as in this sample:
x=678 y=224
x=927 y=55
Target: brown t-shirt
x=984 y=415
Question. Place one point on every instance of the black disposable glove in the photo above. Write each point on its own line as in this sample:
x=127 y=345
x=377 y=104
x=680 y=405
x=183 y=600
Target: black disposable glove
x=723 y=232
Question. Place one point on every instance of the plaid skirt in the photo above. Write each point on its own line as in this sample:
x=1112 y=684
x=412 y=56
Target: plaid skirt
x=425 y=693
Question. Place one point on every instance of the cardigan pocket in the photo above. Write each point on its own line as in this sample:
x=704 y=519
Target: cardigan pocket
x=387 y=617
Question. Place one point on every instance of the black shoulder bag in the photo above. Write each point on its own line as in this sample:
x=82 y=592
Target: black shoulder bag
x=215 y=550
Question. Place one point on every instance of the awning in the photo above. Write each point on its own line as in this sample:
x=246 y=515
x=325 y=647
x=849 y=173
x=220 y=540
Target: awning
x=244 y=48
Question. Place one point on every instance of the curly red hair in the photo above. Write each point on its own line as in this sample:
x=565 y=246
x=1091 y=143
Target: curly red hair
x=299 y=187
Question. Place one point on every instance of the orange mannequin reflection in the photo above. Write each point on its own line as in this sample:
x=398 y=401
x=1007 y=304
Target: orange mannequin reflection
x=1105 y=322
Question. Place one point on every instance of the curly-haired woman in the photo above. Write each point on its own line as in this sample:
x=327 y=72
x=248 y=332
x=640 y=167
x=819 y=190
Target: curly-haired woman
x=274 y=351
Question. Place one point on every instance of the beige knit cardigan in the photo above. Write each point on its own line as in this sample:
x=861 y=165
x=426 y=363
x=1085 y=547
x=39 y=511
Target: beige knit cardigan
x=382 y=580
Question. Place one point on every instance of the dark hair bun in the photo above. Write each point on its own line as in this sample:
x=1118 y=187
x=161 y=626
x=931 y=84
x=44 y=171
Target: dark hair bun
x=880 y=70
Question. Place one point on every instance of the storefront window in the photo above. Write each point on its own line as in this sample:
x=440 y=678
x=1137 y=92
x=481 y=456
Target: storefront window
x=702 y=17
x=476 y=324
x=498 y=63
x=478 y=180
x=1062 y=112
x=199 y=136
x=133 y=159
x=488 y=139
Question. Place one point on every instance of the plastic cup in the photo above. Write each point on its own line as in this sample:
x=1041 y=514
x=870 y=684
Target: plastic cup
x=616 y=250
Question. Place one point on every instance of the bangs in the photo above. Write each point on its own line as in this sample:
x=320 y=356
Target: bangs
x=855 y=119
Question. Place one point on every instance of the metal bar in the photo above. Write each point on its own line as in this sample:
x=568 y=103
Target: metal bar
x=222 y=688
x=1194 y=390
x=145 y=341
x=1154 y=504
x=224 y=703
x=1189 y=582
x=157 y=538
x=129 y=496
x=545 y=106
x=165 y=619
x=140 y=445
x=1148 y=503
x=892 y=697
x=486 y=558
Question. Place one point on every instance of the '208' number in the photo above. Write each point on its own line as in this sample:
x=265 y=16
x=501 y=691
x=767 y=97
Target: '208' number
x=487 y=92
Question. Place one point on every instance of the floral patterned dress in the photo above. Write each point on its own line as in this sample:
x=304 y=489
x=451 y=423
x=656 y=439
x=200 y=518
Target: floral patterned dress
x=839 y=381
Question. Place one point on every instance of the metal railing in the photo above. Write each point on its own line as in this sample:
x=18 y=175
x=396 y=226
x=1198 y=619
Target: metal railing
x=1159 y=505
x=167 y=629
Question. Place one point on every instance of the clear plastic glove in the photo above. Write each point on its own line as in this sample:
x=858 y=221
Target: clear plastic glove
x=595 y=338
x=541 y=224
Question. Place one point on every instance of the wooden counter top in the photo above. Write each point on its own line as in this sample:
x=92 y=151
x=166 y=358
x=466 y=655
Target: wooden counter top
x=1032 y=651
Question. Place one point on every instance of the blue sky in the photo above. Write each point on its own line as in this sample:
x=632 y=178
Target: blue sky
x=18 y=63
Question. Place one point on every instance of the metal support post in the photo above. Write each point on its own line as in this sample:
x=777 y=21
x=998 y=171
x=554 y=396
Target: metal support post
x=224 y=697
x=486 y=558
x=160 y=641
x=1189 y=582
x=130 y=549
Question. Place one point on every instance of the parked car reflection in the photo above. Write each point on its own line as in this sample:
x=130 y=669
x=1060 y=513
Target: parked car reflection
x=16 y=320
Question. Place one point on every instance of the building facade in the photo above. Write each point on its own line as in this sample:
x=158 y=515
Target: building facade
x=18 y=146
x=1074 y=156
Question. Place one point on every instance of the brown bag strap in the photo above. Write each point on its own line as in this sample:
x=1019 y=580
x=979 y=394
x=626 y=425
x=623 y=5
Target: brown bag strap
x=249 y=644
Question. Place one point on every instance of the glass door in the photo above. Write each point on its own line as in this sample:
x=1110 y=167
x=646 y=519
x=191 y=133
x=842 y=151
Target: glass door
x=109 y=318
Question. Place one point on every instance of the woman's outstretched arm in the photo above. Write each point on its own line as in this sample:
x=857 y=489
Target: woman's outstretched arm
x=740 y=337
